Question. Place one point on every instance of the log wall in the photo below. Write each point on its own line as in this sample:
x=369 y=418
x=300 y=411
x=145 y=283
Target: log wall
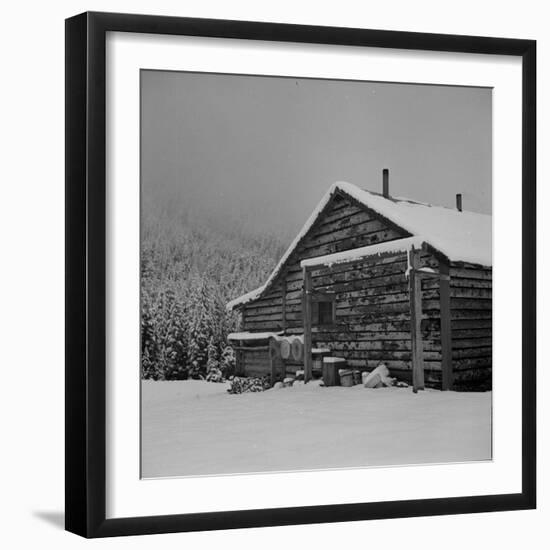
x=343 y=225
x=471 y=326
x=373 y=316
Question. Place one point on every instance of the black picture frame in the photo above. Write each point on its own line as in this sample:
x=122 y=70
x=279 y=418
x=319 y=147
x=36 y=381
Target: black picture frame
x=86 y=284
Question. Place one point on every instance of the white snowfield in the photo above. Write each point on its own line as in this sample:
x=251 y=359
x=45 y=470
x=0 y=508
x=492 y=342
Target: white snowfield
x=197 y=428
x=460 y=236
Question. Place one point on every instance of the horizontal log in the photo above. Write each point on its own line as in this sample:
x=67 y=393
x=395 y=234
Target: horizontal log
x=472 y=314
x=260 y=317
x=379 y=299
x=473 y=323
x=362 y=345
x=472 y=293
x=471 y=283
x=467 y=364
x=477 y=353
x=469 y=265
x=370 y=277
x=337 y=344
x=400 y=287
x=359 y=336
x=402 y=307
x=380 y=355
x=380 y=282
x=323 y=236
x=251 y=349
x=344 y=211
x=477 y=303
x=472 y=375
x=347 y=243
x=253 y=311
x=471 y=343
x=458 y=334
x=366 y=265
x=261 y=326
x=361 y=220
x=264 y=302
x=465 y=273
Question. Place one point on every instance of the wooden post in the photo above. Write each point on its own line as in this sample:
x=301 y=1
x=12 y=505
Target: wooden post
x=284 y=302
x=306 y=310
x=445 y=314
x=415 y=297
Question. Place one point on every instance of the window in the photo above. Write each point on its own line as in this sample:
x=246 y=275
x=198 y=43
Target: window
x=325 y=313
x=322 y=311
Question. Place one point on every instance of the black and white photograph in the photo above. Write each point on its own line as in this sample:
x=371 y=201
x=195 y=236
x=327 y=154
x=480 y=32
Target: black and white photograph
x=316 y=274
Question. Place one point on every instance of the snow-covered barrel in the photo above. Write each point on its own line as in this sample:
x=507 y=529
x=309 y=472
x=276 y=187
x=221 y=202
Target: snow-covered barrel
x=297 y=348
x=285 y=347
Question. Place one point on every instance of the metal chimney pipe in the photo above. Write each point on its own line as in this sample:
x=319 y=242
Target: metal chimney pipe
x=459 y=202
x=386 y=183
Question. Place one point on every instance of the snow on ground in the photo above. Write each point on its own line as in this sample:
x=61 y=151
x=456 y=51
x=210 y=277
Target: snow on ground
x=197 y=428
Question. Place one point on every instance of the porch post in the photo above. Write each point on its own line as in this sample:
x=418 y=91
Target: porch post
x=306 y=311
x=446 y=342
x=415 y=297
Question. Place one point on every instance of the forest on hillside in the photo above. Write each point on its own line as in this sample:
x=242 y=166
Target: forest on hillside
x=191 y=267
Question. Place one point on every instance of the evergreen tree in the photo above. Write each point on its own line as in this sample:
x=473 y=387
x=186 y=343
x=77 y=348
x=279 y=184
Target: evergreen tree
x=188 y=274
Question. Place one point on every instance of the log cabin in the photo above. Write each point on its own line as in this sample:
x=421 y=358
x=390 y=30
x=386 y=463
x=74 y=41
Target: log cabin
x=375 y=278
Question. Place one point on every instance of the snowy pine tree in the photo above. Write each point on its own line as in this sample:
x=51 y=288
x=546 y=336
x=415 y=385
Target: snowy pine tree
x=227 y=362
x=189 y=272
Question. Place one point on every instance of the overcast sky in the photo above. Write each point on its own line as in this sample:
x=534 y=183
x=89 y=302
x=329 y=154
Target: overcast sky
x=265 y=150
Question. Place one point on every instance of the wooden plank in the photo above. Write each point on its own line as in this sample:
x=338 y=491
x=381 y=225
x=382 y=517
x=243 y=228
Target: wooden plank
x=467 y=273
x=349 y=243
x=251 y=349
x=382 y=355
x=362 y=232
x=416 y=316
x=478 y=303
x=335 y=214
x=468 y=364
x=470 y=314
x=446 y=340
x=473 y=352
x=472 y=324
x=308 y=366
x=352 y=220
x=459 y=334
x=261 y=326
x=472 y=343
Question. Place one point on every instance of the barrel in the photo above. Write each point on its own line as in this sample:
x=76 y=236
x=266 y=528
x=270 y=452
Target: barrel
x=297 y=348
x=285 y=347
x=346 y=377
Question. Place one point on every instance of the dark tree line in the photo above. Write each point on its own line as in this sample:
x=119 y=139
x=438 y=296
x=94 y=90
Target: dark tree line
x=189 y=271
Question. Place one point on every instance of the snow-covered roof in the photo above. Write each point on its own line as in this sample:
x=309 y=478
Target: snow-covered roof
x=380 y=249
x=460 y=236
